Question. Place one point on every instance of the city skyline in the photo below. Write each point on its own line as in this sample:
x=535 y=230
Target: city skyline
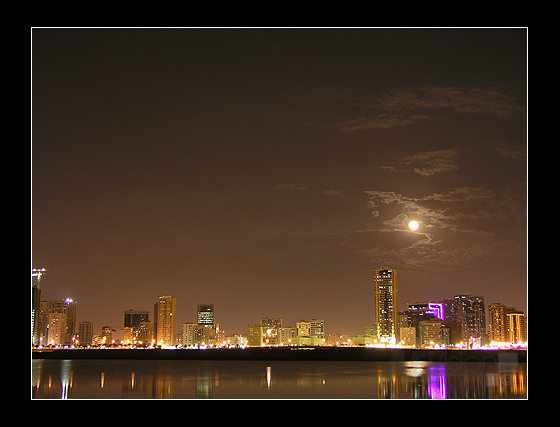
x=470 y=311
x=271 y=171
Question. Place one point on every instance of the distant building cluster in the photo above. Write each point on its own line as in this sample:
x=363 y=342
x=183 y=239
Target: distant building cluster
x=459 y=321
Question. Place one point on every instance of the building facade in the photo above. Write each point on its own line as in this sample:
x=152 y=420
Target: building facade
x=471 y=313
x=165 y=314
x=385 y=289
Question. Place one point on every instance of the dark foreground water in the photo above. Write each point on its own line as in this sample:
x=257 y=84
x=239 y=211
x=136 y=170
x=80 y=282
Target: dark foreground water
x=192 y=379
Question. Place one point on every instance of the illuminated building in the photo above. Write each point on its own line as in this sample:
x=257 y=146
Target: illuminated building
x=271 y=327
x=430 y=308
x=471 y=313
x=302 y=340
x=497 y=322
x=515 y=321
x=61 y=321
x=192 y=334
x=165 y=314
x=285 y=334
x=303 y=328
x=317 y=328
x=36 y=274
x=407 y=335
x=311 y=328
x=85 y=333
x=145 y=333
x=205 y=314
x=57 y=328
x=385 y=319
x=255 y=336
x=430 y=333
x=107 y=333
x=507 y=324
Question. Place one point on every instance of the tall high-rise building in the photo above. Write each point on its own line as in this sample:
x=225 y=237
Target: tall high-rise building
x=205 y=314
x=497 y=322
x=61 y=321
x=385 y=289
x=515 y=320
x=471 y=313
x=36 y=274
x=165 y=314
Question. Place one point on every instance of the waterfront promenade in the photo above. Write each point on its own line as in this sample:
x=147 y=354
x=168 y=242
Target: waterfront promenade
x=291 y=353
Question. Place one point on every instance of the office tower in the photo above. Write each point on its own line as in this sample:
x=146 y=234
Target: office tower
x=385 y=289
x=165 y=313
x=36 y=274
x=205 y=314
x=85 y=333
x=133 y=318
x=471 y=313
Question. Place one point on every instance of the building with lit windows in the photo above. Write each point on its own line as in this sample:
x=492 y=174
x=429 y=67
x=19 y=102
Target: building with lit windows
x=471 y=313
x=205 y=314
x=271 y=327
x=385 y=290
x=61 y=321
x=497 y=322
x=133 y=318
x=165 y=315
x=255 y=336
x=515 y=321
x=85 y=333
x=145 y=333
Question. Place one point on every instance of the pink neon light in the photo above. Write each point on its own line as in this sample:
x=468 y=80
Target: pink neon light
x=438 y=308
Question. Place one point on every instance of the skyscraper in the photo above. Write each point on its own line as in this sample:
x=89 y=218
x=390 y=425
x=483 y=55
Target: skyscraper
x=497 y=324
x=471 y=312
x=165 y=314
x=36 y=274
x=385 y=283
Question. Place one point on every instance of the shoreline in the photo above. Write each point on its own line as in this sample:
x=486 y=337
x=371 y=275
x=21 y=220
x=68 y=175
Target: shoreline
x=292 y=354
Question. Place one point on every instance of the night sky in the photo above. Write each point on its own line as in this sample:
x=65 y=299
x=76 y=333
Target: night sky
x=270 y=171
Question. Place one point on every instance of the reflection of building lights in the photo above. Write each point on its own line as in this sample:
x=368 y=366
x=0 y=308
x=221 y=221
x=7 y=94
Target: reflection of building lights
x=268 y=376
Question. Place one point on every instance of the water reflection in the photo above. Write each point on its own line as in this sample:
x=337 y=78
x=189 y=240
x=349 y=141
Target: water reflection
x=91 y=379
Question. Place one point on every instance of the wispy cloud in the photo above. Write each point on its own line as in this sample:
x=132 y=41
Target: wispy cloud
x=512 y=151
x=409 y=107
x=462 y=224
x=427 y=163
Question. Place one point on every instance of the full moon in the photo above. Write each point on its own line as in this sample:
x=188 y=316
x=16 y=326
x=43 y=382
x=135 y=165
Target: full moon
x=413 y=225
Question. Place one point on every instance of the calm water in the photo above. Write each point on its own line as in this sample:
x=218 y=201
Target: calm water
x=192 y=379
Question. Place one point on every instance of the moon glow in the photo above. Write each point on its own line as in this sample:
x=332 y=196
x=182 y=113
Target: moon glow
x=413 y=225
